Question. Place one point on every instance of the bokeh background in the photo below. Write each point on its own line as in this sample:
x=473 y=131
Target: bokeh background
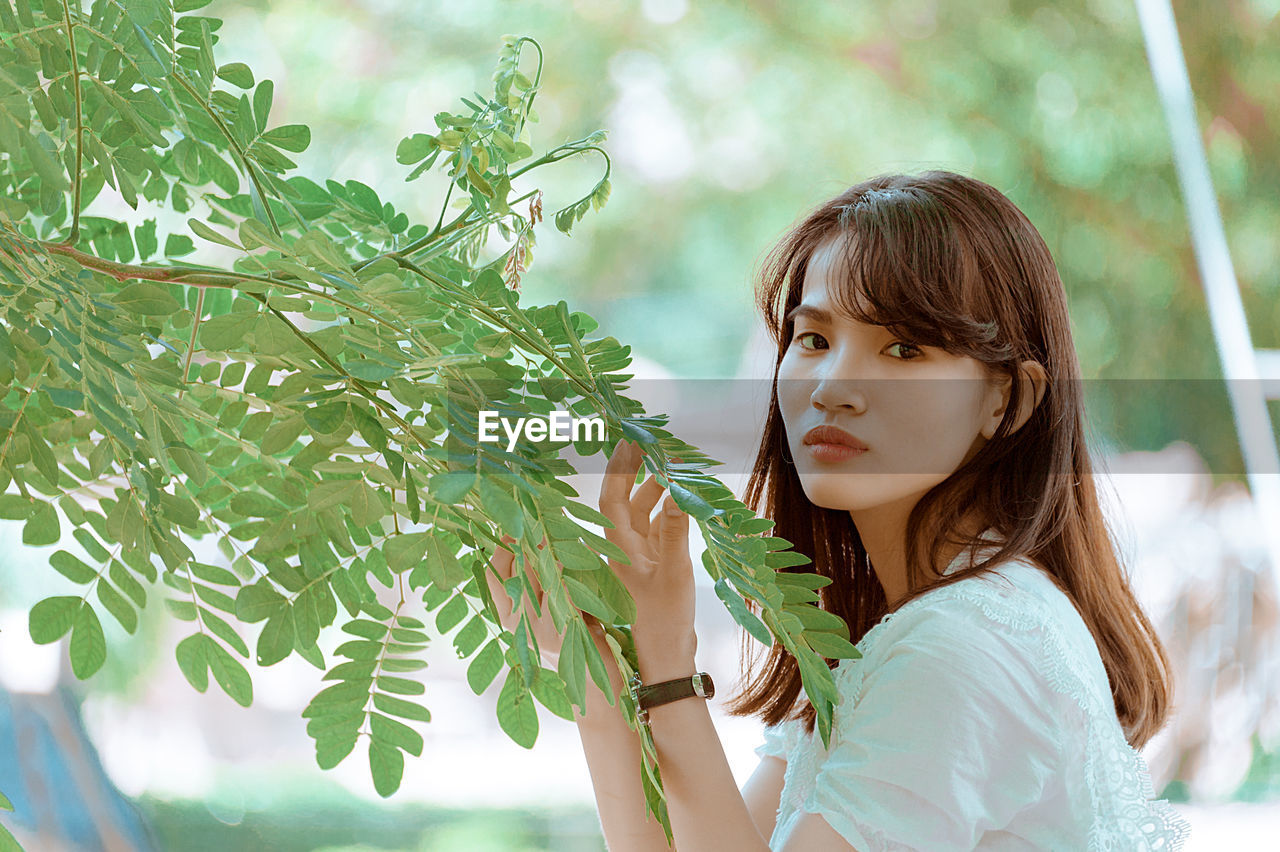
x=727 y=121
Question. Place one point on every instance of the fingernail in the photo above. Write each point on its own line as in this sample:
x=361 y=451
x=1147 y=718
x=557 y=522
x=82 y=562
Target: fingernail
x=672 y=510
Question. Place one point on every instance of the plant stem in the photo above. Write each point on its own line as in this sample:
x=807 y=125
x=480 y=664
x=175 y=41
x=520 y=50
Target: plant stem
x=74 y=236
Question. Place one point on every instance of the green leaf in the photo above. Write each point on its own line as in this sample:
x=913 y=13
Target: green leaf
x=281 y=436
x=397 y=664
x=306 y=618
x=193 y=659
x=45 y=164
x=402 y=708
x=258 y=601
x=237 y=74
x=485 y=667
x=502 y=507
x=550 y=692
x=405 y=550
x=831 y=645
x=262 y=103
x=331 y=752
x=145 y=237
x=366 y=505
x=230 y=674
x=366 y=629
x=414 y=148
x=88 y=645
x=327 y=418
x=214 y=574
x=691 y=503
x=400 y=685
x=516 y=713
x=329 y=493
x=395 y=732
x=441 y=567
x=276 y=640
x=450 y=488
x=253 y=234
x=190 y=462
x=15 y=507
x=72 y=568
x=177 y=245
x=588 y=514
x=119 y=608
x=363 y=196
x=469 y=637
x=386 y=764
x=51 y=618
x=816 y=618
x=42 y=526
x=359 y=649
x=147 y=298
x=5 y=804
x=370 y=371
x=203 y=230
x=451 y=614
x=219 y=627
x=585 y=599
x=572 y=664
x=637 y=434
x=597 y=666
x=254 y=505
x=738 y=609
x=289 y=137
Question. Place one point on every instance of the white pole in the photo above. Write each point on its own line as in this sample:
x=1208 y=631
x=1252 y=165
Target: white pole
x=1226 y=311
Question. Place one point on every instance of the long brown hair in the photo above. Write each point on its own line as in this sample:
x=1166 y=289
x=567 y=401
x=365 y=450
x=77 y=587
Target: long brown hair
x=949 y=261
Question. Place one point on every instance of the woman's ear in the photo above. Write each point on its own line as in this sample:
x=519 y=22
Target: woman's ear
x=1034 y=382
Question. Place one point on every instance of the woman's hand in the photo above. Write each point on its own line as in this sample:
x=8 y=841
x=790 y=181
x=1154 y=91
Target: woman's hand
x=660 y=576
x=542 y=626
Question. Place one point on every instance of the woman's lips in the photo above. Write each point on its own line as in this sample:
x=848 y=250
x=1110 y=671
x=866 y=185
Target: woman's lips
x=829 y=443
x=833 y=452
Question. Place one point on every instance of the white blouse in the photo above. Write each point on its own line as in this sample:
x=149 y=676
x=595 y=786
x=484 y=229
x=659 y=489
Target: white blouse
x=979 y=717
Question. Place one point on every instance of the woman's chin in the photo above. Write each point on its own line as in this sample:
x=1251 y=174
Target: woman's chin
x=835 y=493
x=850 y=492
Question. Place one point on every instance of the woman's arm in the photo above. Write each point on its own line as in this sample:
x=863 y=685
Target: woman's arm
x=706 y=809
x=613 y=757
x=763 y=791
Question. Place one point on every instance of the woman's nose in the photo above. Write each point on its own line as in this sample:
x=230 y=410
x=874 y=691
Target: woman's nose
x=834 y=391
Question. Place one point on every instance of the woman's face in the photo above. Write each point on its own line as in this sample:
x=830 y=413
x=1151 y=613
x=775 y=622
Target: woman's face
x=920 y=412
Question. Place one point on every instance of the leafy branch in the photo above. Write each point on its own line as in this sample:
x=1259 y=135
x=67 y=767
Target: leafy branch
x=314 y=405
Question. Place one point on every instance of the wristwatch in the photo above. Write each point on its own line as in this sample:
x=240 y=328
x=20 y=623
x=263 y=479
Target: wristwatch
x=653 y=695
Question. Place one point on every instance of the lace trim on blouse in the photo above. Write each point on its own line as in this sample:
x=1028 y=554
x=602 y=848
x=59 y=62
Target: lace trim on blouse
x=1126 y=814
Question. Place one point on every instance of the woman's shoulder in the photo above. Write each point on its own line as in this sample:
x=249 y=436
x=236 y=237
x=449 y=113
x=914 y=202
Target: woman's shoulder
x=1014 y=614
x=1018 y=594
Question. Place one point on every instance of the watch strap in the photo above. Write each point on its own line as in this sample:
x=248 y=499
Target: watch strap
x=648 y=696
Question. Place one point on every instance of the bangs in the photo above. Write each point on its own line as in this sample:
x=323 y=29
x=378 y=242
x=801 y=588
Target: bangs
x=905 y=267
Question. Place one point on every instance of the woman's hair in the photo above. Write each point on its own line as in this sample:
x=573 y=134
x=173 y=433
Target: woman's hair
x=948 y=261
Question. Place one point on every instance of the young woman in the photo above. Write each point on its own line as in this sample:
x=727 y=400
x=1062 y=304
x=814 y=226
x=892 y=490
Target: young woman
x=925 y=447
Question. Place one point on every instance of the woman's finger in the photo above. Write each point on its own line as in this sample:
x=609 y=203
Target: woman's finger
x=615 y=496
x=503 y=563
x=642 y=504
x=670 y=536
x=532 y=573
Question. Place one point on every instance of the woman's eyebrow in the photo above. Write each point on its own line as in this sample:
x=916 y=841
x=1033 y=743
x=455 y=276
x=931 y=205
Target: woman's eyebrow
x=814 y=312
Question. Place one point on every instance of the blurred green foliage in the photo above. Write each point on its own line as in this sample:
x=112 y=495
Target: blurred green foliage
x=728 y=120
x=338 y=823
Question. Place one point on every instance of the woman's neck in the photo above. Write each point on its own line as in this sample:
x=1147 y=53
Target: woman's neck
x=883 y=533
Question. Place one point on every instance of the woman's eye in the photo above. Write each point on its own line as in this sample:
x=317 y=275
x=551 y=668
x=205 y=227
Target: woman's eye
x=910 y=347
x=805 y=334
